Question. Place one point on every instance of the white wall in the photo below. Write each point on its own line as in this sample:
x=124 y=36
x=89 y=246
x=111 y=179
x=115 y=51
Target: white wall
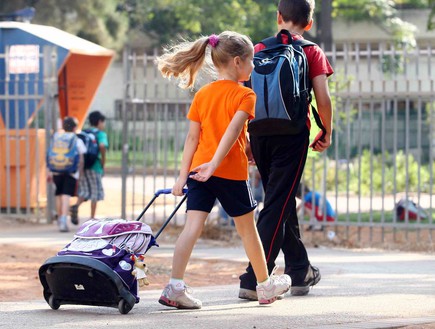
x=111 y=88
x=347 y=31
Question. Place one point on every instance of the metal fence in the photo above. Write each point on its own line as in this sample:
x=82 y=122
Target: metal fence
x=146 y=135
x=382 y=154
x=382 y=149
x=27 y=97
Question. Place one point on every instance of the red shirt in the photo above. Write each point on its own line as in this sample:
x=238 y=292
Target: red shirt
x=317 y=61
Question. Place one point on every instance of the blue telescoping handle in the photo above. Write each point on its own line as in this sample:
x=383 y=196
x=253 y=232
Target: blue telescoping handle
x=168 y=191
x=156 y=195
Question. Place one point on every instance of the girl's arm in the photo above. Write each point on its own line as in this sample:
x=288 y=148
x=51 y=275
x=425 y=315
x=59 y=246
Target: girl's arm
x=190 y=146
x=204 y=171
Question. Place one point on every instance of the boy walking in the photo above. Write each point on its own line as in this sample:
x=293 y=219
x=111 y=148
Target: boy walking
x=90 y=185
x=281 y=158
x=65 y=179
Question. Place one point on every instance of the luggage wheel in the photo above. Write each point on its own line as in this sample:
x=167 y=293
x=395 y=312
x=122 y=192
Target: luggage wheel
x=124 y=307
x=53 y=302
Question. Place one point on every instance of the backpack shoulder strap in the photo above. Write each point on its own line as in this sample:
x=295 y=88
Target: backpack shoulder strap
x=304 y=43
x=269 y=42
x=93 y=131
x=277 y=40
x=73 y=141
x=318 y=121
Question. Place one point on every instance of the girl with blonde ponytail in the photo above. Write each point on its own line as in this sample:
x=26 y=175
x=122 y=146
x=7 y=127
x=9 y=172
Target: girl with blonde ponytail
x=214 y=164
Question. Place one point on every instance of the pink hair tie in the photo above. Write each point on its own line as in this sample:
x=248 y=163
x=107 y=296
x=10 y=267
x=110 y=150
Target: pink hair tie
x=213 y=40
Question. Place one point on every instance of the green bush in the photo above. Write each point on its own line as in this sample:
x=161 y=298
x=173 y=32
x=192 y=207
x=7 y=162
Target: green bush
x=371 y=172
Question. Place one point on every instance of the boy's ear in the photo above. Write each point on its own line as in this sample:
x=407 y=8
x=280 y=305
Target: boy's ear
x=309 y=26
x=279 y=18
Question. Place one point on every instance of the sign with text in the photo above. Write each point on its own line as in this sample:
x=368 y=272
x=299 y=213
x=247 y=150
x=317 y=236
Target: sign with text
x=23 y=59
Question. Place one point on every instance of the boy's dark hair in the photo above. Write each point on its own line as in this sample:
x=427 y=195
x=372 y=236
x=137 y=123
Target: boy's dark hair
x=69 y=123
x=95 y=117
x=299 y=12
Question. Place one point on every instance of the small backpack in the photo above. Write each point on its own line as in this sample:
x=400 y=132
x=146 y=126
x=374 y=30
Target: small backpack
x=62 y=155
x=281 y=82
x=89 y=138
x=408 y=206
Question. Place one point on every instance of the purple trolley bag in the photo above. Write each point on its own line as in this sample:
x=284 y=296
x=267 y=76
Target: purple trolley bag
x=100 y=276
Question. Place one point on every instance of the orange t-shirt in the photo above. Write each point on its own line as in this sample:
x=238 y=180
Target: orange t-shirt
x=214 y=106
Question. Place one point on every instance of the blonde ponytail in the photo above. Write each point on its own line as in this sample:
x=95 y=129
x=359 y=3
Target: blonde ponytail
x=183 y=61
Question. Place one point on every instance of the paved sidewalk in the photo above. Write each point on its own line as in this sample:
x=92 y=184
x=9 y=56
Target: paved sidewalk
x=359 y=289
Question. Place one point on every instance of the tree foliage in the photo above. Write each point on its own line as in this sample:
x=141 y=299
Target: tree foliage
x=149 y=23
x=166 y=20
x=431 y=20
x=95 y=20
x=383 y=13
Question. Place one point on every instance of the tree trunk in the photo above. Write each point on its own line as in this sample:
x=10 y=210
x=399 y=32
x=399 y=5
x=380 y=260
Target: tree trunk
x=324 y=30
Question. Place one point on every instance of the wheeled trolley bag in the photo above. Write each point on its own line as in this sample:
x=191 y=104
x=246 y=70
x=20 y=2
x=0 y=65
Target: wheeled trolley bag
x=97 y=267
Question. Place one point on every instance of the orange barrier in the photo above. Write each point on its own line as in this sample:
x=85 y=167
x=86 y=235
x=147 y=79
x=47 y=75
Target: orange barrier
x=78 y=82
x=24 y=170
x=80 y=66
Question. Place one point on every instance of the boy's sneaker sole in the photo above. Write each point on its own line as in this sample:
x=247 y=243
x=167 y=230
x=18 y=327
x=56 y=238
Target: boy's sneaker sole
x=248 y=294
x=312 y=280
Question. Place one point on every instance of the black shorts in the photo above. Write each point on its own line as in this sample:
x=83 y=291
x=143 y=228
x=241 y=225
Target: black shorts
x=235 y=196
x=65 y=184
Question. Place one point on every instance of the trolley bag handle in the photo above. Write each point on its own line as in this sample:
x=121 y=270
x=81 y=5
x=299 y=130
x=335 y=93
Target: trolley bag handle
x=156 y=195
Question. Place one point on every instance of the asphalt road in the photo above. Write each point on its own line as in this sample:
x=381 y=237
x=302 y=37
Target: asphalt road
x=359 y=289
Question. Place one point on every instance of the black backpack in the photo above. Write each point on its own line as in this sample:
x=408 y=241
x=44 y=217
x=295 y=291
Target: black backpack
x=89 y=138
x=281 y=82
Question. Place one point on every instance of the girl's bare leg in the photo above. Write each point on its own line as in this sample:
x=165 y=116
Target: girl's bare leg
x=247 y=231
x=186 y=241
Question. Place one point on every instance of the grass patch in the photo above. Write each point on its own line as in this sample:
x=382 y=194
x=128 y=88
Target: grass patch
x=375 y=216
x=137 y=159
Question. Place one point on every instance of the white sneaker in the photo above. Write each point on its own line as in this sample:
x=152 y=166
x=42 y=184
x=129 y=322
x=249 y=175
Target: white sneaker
x=278 y=285
x=63 y=227
x=179 y=297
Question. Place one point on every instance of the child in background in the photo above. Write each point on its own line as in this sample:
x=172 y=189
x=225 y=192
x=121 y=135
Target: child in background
x=316 y=212
x=214 y=164
x=66 y=183
x=90 y=184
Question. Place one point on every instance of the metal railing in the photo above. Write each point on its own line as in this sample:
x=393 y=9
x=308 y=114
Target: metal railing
x=382 y=149
x=26 y=108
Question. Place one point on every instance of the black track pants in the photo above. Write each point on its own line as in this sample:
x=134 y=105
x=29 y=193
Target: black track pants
x=280 y=161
